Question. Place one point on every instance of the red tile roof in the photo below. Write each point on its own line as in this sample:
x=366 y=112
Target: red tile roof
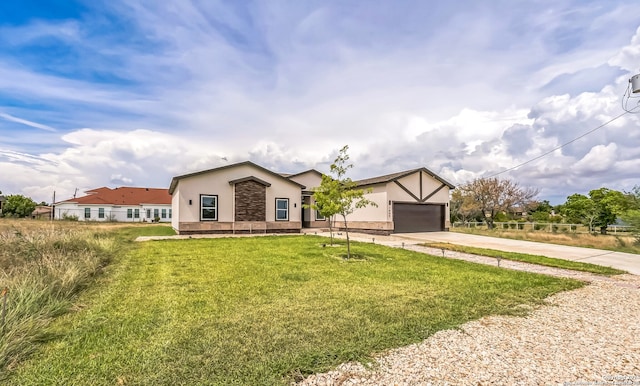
x=124 y=196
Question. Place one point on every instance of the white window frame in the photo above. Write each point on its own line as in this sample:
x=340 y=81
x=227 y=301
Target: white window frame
x=214 y=207
x=286 y=210
x=100 y=212
x=129 y=213
x=163 y=213
x=136 y=213
x=320 y=217
x=87 y=213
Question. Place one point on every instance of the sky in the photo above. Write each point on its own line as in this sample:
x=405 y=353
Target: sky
x=133 y=92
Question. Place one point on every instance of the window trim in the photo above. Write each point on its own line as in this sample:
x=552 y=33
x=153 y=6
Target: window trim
x=163 y=213
x=215 y=207
x=129 y=212
x=100 y=212
x=87 y=212
x=287 y=209
x=136 y=213
x=320 y=217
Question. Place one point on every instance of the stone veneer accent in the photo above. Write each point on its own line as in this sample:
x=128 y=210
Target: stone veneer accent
x=250 y=201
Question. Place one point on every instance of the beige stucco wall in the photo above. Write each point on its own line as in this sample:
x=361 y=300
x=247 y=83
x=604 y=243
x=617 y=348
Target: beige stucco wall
x=384 y=193
x=309 y=179
x=372 y=213
x=175 y=208
x=216 y=182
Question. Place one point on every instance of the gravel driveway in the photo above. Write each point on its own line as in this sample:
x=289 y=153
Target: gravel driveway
x=588 y=336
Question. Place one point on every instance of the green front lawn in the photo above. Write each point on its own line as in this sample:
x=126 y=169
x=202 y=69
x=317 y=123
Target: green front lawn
x=264 y=311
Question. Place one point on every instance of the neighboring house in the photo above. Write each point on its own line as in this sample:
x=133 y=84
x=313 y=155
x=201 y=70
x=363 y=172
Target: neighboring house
x=2 y=200
x=42 y=213
x=123 y=204
x=247 y=198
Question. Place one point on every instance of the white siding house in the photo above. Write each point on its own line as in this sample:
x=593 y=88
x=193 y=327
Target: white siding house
x=124 y=204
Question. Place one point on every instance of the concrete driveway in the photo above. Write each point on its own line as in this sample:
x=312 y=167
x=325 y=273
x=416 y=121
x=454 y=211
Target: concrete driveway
x=626 y=261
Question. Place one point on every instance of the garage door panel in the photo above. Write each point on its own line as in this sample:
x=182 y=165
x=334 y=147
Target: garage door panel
x=418 y=217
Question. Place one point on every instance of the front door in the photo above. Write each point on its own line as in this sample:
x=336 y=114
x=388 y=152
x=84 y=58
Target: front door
x=306 y=212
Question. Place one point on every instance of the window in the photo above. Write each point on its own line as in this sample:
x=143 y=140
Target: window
x=100 y=212
x=319 y=217
x=148 y=213
x=282 y=209
x=164 y=213
x=208 y=208
x=169 y=213
x=155 y=214
x=136 y=213
x=87 y=212
x=129 y=213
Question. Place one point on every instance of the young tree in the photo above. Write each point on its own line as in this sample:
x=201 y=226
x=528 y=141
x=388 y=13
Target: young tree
x=491 y=196
x=17 y=205
x=325 y=200
x=342 y=194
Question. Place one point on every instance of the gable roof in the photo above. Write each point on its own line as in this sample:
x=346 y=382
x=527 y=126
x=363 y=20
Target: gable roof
x=175 y=180
x=123 y=196
x=396 y=176
x=301 y=173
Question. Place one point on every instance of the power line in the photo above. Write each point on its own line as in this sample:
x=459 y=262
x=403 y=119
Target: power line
x=564 y=144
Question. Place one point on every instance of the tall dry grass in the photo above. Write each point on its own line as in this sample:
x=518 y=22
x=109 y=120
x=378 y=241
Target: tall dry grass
x=42 y=266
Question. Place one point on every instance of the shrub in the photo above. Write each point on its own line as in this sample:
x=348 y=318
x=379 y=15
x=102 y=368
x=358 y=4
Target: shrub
x=69 y=217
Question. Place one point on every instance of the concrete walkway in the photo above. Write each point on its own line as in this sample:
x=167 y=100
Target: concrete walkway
x=626 y=261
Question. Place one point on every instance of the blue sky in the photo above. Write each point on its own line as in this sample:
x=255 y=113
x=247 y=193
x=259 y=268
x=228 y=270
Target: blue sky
x=131 y=93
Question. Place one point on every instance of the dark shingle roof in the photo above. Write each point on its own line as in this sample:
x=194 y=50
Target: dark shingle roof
x=396 y=176
x=174 y=180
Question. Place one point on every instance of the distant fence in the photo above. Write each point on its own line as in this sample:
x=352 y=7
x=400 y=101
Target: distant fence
x=542 y=227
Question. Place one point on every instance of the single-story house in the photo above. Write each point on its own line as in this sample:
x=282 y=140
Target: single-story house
x=124 y=204
x=42 y=212
x=248 y=198
x=2 y=200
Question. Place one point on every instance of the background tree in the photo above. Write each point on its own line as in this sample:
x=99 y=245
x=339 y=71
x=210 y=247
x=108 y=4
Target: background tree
x=601 y=209
x=342 y=193
x=579 y=209
x=610 y=204
x=632 y=215
x=491 y=196
x=541 y=212
x=463 y=207
x=17 y=205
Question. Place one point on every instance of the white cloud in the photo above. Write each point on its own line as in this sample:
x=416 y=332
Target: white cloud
x=599 y=159
x=26 y=122
x=286 y=86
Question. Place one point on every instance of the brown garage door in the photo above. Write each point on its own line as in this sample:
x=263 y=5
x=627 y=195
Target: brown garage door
x=417 y=218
